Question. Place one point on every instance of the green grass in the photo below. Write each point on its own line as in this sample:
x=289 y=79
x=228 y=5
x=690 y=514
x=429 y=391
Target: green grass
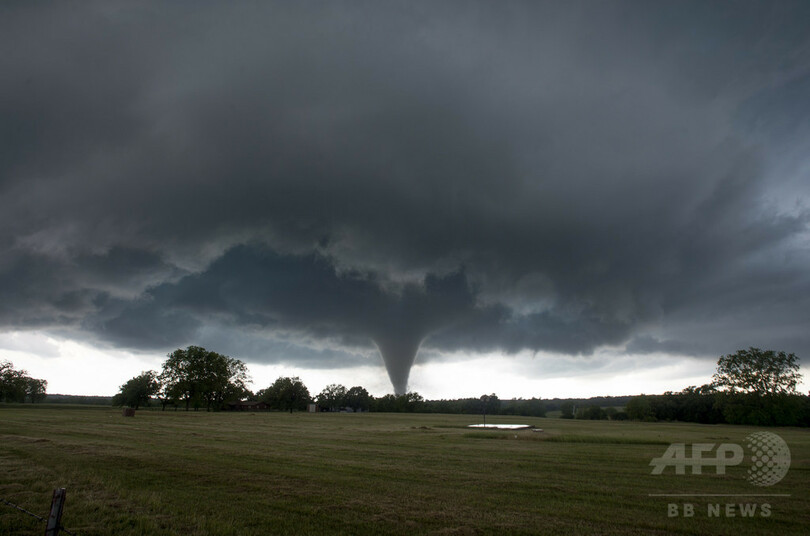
x=276 y=473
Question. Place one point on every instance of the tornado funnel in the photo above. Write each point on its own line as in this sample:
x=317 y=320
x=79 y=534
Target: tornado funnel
x=398 y=354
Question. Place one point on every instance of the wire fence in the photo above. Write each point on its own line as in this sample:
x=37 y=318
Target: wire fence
x=35 y=516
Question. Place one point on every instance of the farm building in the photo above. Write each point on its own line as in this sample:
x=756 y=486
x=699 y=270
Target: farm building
x=247 y=406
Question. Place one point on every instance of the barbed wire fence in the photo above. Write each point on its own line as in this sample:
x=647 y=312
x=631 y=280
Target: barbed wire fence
x=54 y=526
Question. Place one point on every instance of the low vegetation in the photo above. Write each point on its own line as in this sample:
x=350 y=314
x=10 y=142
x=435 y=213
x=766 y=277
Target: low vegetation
x=221 y=473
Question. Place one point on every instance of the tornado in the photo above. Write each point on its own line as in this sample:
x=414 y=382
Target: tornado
x=398 y=353
x=400 y=325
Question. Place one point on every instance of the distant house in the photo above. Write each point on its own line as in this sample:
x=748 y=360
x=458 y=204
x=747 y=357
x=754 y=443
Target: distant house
x=248 y=406
x=317 y=408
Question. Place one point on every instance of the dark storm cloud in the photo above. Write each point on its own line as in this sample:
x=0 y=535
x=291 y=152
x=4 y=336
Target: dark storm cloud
x=38 y=289
x=604 y=173
x=253 y=288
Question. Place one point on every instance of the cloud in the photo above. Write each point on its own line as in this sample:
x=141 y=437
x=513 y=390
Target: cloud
x=255 y=288
x=24 y=342
x=300 y=181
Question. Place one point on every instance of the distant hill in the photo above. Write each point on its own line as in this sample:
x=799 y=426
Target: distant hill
x=79 y=399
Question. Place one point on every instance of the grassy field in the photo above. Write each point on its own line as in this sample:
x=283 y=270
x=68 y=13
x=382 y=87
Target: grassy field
x=275 y=473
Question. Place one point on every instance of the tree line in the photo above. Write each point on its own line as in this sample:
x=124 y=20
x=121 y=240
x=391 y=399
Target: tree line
x=752 y=387
x=196 y=378
x=17 y=386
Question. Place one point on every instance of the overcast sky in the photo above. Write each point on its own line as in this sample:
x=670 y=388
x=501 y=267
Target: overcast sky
x=543 y=198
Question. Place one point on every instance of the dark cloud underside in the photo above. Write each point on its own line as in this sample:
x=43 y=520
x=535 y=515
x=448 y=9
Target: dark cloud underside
x=304 y=179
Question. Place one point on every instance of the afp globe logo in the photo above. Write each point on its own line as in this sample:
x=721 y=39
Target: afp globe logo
x=770 y=458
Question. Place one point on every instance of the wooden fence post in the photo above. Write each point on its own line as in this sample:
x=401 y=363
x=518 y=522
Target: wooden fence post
x=55 y=517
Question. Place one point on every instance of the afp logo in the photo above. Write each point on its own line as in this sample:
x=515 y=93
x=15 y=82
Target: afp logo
x=768 y=455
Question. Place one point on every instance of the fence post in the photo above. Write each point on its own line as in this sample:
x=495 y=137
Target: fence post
x=55 y=517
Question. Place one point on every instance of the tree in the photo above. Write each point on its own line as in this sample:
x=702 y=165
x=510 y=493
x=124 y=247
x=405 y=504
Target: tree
x=592 y=412
x=201 y=377
x=385 y=404
x=567 y=409
x=12 y=383
x=36 y=390
x=358 y=399
x=18 y=386
x=639 y=408
x=533 y=407
x=332 y=397
x=489 y=404
x=761 y=372
x=409 y=402
x=138 y=390
x=223 y=378
x=286 y=394
x=700 y=404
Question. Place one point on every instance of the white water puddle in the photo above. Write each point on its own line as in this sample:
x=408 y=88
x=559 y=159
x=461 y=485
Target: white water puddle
x=501 y=426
